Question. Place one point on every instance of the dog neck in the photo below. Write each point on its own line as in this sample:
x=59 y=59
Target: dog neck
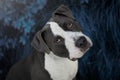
x=51 y=55
x=60 y=68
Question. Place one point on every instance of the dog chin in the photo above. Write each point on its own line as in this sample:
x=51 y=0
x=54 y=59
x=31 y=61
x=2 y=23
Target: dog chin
x=76 y=57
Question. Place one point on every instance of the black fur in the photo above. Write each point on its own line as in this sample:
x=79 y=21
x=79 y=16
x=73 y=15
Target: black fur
x=58 y=49
x=30 y=68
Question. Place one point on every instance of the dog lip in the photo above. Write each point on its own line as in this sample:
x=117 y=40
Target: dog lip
x=73 y=59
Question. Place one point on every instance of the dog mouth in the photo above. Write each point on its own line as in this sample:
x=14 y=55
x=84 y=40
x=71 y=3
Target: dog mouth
x=74 y=59
x=79 y=55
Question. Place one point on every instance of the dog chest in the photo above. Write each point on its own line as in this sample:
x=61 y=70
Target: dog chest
x=60 y=69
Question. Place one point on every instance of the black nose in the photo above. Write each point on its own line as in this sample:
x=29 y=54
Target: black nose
x=81 y=42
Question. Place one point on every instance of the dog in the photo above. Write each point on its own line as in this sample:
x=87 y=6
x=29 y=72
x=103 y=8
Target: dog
x=56 y=49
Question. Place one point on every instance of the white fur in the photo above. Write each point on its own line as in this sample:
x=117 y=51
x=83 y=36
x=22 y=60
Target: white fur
x=60 y=68
x=69 y=37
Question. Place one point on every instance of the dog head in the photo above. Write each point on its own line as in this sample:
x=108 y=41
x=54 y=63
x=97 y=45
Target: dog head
x=62 y=36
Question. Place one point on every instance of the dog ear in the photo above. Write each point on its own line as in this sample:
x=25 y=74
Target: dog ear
x=63 y=11
x=38 y=43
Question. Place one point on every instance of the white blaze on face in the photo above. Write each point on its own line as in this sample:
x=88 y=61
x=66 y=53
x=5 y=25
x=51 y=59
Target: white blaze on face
x=69 y=37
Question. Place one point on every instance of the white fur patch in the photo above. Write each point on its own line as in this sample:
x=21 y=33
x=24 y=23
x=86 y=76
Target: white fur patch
x=60 y=68
x=69 y=37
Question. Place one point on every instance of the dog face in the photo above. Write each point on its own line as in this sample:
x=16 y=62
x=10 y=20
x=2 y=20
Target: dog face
x=63 y=36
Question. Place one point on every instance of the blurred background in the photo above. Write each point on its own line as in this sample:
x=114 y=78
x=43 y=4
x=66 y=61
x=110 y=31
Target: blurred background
x=99 y=19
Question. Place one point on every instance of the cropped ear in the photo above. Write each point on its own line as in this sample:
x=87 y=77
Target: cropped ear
x=63 y=11
x=38 y=43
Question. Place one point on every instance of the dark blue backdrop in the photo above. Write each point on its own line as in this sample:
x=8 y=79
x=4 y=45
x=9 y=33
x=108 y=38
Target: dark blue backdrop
x=100 y=20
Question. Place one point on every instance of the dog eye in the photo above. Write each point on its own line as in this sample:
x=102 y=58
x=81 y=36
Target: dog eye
x=70 y=25
x=58 y=39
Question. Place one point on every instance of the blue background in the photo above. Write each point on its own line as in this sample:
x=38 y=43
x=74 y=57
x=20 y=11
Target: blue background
x=100 y=20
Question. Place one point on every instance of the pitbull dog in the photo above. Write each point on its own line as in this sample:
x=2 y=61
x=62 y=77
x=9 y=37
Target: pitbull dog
x=56 y=49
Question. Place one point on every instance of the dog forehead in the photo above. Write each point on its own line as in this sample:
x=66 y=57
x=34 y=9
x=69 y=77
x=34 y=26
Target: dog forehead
x=56 y=29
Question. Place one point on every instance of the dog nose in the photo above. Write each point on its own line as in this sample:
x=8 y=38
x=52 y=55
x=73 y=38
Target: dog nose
x=81 y=42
